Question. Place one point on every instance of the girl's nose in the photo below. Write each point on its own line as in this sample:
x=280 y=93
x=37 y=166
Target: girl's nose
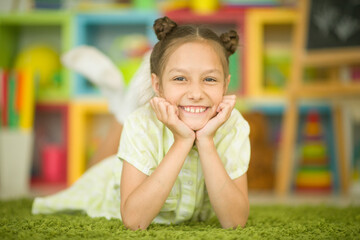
x=195 y=91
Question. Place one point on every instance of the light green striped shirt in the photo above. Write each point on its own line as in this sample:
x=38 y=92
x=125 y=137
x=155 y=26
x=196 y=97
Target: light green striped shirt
x=145 y=141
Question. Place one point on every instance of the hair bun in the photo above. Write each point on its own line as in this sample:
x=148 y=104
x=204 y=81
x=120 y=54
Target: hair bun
x=163 y=26
x=230 y=41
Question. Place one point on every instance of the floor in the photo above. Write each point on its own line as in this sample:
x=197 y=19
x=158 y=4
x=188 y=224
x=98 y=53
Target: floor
x=255 y=197
x=335 y=199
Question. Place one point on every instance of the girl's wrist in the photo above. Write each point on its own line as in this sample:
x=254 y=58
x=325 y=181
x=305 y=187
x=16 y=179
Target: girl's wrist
x=185 y=140
x=204 y=142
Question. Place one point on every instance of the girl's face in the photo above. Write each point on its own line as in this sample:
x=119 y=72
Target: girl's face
x=193 y=80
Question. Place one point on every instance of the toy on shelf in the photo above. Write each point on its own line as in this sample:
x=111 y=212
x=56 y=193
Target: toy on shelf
x=53 y=163
x=144 y=4
x=171 y=5
x=127 y=53
x=51 y=143
x=277 y=60
x=314 y=174
x=204 y=7
x=43 y=61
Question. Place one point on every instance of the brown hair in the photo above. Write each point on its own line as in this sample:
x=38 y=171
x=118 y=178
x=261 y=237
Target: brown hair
x=171 y=36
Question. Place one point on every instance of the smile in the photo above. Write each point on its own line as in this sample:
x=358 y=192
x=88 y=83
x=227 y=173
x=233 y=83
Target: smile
x=196 y=109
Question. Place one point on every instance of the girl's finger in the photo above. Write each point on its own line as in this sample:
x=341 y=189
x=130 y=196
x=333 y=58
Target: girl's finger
x=172 y=114
x=222 y=106
x=229 y=99
x=163 y=110
x=155 y=106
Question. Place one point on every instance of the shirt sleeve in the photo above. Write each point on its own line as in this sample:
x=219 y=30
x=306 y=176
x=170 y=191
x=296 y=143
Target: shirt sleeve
x=138 y=144
x=233 y=145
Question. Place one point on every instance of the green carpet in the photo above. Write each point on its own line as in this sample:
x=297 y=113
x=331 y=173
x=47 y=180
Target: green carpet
x=265 y=222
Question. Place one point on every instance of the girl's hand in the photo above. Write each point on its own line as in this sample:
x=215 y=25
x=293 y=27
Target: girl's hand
x=168 y=114
x=224 y=111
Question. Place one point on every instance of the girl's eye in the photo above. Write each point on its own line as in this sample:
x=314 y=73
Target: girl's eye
x=209 y=79
x=179 y=79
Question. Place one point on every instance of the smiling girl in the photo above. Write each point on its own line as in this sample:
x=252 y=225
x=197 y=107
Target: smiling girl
x=184 y=155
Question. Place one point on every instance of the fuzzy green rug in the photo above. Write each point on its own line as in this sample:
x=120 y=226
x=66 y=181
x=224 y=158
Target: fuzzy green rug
x=265 y=222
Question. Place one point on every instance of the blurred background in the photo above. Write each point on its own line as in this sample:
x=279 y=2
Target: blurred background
x=296 y=75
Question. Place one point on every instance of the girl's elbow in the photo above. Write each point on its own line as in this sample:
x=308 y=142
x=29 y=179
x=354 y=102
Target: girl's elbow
x=133 y=223
x=239 y=220
x=234 y=225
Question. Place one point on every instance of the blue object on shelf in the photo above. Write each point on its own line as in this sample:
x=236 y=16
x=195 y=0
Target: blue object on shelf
x=100 y=29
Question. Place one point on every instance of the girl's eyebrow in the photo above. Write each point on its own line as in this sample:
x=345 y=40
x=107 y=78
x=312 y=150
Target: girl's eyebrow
x=212 y=71
x=180 y=70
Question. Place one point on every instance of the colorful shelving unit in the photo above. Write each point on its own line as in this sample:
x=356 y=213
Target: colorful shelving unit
x=261 y=31
x=22 y=31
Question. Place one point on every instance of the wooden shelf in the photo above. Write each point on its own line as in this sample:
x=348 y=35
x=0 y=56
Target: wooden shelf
x=332 y=57
x=330 y=90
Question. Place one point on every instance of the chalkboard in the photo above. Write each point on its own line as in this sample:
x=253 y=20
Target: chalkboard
x=333 y=24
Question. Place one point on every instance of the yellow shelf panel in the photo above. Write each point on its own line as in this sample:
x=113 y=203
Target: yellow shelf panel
x=79 y=111
x=256 y=19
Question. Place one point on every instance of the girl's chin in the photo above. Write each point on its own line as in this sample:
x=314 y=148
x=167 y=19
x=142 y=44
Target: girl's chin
x=195 y=126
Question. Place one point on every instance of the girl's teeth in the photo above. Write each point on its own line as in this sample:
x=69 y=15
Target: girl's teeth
x=194 y=109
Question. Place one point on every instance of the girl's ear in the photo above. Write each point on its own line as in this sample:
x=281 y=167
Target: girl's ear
x=227 y=82
x=155 y=82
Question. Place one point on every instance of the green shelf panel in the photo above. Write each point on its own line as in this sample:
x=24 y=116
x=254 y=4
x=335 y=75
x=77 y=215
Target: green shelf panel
x=53 y=28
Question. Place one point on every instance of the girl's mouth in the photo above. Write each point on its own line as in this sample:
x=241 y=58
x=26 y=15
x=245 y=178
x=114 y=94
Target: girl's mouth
x=194 y=109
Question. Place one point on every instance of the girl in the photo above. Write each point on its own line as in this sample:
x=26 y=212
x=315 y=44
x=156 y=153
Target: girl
x=184 y=155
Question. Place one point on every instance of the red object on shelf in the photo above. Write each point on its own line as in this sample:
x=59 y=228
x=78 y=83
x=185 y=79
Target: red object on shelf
x=53 y=163
x=46 y=139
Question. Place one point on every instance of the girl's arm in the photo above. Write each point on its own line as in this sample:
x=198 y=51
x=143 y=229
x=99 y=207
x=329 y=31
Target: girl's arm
x=143 y=196
x=229 y=198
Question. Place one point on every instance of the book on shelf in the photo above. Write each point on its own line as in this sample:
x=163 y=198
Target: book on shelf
x=4 y=96
x=17 y=99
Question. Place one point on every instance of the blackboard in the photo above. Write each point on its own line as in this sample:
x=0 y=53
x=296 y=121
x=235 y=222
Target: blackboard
x=333 y=24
